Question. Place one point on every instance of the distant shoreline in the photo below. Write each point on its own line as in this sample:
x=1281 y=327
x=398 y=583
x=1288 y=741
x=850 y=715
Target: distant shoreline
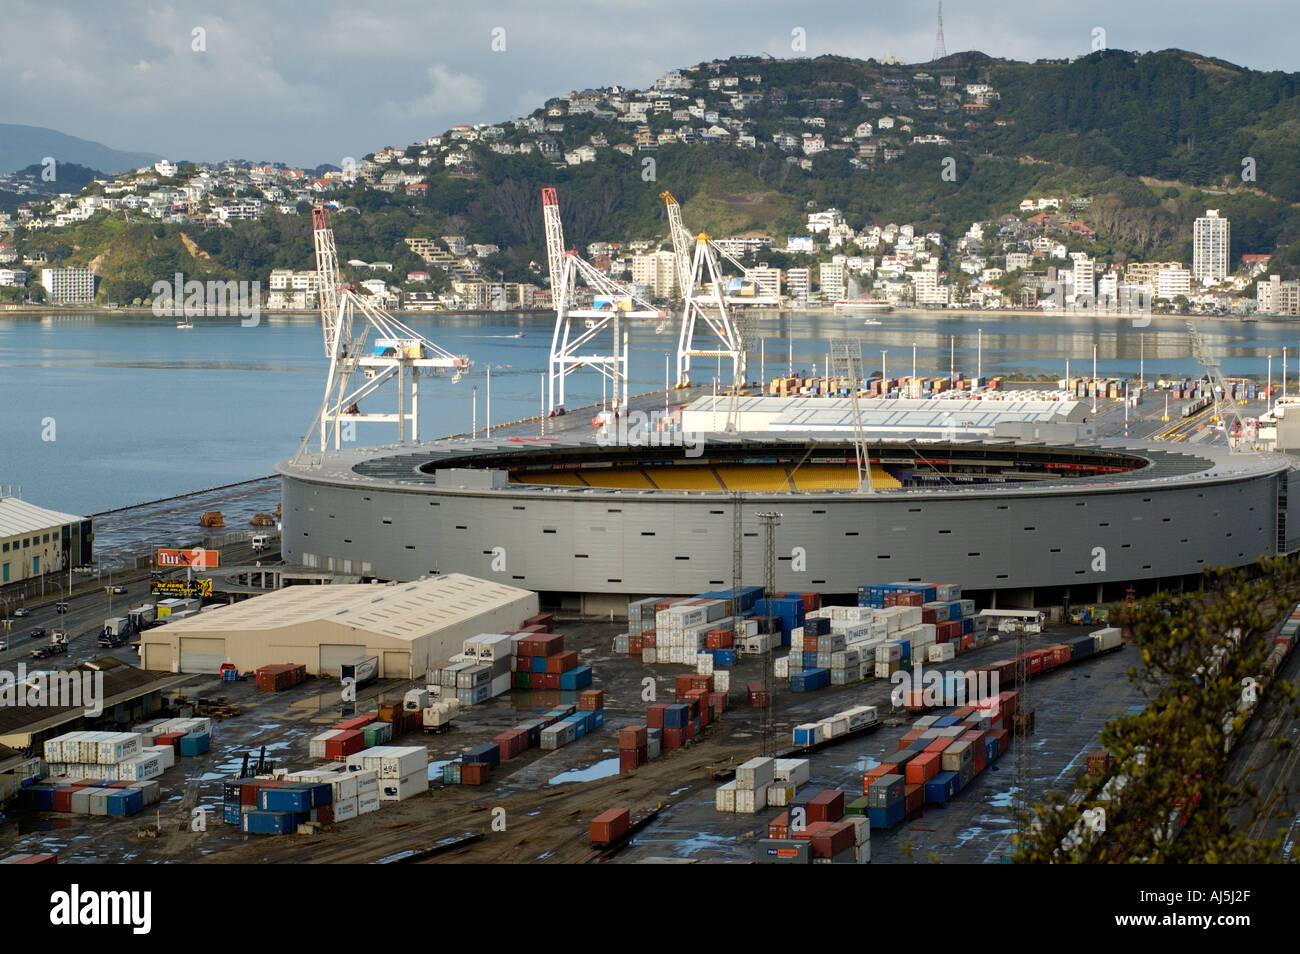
x=103 y=311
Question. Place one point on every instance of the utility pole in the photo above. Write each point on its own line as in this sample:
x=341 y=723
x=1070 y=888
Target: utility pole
x=1020 y=734
x=769 y=520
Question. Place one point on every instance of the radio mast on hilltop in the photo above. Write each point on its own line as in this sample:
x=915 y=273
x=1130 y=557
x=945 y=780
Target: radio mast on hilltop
x=940 y=48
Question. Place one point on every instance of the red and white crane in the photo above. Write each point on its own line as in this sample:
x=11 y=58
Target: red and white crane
x=396 y=349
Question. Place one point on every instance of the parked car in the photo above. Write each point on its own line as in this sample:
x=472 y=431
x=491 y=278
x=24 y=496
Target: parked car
x=22 y=611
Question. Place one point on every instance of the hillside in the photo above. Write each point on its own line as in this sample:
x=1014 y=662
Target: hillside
x=1149 y=141
x=22 y=146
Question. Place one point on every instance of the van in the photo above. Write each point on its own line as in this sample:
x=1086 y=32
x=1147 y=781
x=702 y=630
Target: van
x=259 y=542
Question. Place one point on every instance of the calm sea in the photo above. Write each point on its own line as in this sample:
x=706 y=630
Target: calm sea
x=101 y=411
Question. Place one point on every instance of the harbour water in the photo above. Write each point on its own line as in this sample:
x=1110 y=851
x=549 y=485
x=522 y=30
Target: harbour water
x=102 y=411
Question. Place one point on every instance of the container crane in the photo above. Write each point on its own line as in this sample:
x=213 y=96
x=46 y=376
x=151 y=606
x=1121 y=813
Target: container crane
x=575 y=346
x=397 y=349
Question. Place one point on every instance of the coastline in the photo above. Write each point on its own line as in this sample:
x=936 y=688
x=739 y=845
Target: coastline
x=102 y=311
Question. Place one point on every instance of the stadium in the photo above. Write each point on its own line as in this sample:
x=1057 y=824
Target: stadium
x=1019 y=513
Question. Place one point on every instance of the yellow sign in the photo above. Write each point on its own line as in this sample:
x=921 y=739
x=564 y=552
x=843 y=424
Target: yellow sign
x=181 y=589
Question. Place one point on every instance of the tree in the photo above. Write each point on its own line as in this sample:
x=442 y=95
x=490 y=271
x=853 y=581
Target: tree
x=1174 y=793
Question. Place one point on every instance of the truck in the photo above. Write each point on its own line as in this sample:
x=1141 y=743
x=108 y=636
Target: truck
x=1089 y=615
x=142 y=617
x=57 y=646
x=115 y=632
x=260 y=542
x=360 y=672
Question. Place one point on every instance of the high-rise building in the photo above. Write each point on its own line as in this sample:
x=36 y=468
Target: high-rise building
x=1211 y=236
x=1084 y=287
x=831 y=279
x=69 y=286
x=798 y=281
x=658 y=270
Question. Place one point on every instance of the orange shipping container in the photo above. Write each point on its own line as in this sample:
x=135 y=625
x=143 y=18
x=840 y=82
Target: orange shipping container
x=922 y=768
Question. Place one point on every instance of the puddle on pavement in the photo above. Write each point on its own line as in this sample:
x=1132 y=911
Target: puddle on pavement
x=602 y=769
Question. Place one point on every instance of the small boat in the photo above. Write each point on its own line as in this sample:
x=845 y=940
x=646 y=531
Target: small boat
x=871 y=321
x=184 y=323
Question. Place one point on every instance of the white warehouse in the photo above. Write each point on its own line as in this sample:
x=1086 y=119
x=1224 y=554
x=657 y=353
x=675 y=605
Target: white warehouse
x=409 y=626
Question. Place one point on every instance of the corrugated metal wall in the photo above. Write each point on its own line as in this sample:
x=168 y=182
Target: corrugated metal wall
x=574 y=543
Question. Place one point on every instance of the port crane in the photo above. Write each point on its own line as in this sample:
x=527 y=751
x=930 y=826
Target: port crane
x=347 y=320
x=697 y=263
x=575 y=346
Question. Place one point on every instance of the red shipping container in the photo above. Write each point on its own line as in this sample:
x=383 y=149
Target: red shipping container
x=649 y=640
x=779 y=827
x=632 y=737
x=562 y=662
x=323 y=814
x=591 y=700
x=757 y=695
x=627 y=760
x=475 y=773
x=543 y=644
x=809 y=643
x=39 y=860
x=719 y=702
x=719 y=639
x=688 y=731
x=356 y=722
x=344 y=744
x=634 y=646
x=938 y=745
x=610 y=826
x=871 y=775
x=808 y=831
x=908 y=738
x=922 y=768
x=654 y=715
x=673 y=738
x=541 y=619
x=913 y=799
x=827 y=806
x=832 y=839
x=811 y=601
x=63 y=798
x=910 y=599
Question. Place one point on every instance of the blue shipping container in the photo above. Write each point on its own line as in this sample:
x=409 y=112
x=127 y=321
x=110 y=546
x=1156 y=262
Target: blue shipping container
x=231 y=814
x=726 y=657
x=196 y=743
x=539 y=664
x=675 y=717
x=809 y=660
x=488 y=752
x=941 y=788
x=809 y=680
x=578 y=677
x=598 y=718
x=270 y=823
x=125 y=802
x=285 y=799
x=885 y=818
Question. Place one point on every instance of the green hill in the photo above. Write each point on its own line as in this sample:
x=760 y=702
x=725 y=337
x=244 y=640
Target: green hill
x=1151 y=139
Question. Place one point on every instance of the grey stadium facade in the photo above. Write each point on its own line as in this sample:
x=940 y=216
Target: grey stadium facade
x=1014 y=523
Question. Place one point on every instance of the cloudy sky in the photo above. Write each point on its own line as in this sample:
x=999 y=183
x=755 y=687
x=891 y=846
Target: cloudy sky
x=310 y=81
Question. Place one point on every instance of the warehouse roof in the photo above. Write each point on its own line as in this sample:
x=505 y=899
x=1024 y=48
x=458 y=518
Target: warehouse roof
x=399 y=610
x=19 y=516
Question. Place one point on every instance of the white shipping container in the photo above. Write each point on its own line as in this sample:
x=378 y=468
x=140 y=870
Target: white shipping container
x=780 y=794
x=836 y=726
x=415 y=700
x=401 y=761
x=941 y=652
x=139 y=768
x=794 y=771
x=859 y=717
x=756 y=773
x=796 y=638
x=166 y=755
x=316 y=746
x=407 y=786
x=1107 y=638
x=748 y=801
x=781 y=667
x=368 y=802
x=722 y=680
x=650 y=655
x=704 y=664
x=724 y=798
x=345 y=809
